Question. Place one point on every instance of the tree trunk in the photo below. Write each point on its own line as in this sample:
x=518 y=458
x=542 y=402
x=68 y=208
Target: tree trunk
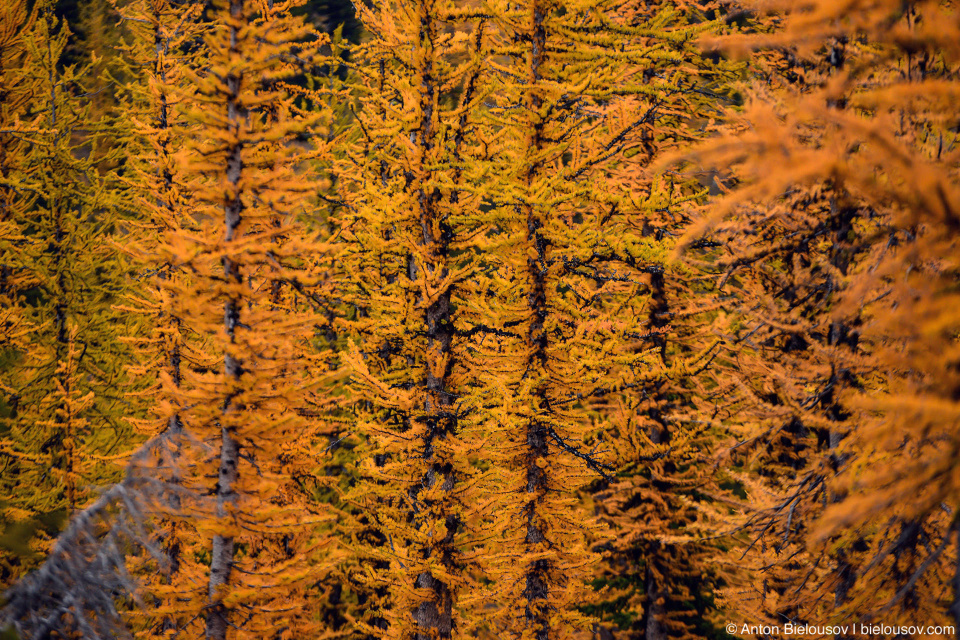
x=654 y=612
x=221 y=559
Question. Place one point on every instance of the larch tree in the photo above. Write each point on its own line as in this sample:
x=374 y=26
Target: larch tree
x=150 y=72
x=17 y=89
x=406 y=225
x=582 y=94
x=854 y=249
x=780 y=265
x=98 y=33
x=65 y=422
x=795 y=356
x=76 y=589
x=668 y=501
x=573 y=385
x=555 y=343
x=241 y=258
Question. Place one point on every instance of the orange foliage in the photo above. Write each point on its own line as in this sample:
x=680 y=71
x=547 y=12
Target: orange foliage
x=539 y=319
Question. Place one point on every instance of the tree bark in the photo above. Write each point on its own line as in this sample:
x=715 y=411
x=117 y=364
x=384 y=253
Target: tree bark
x=221 y=559
x=654 y=611
x=536 y=574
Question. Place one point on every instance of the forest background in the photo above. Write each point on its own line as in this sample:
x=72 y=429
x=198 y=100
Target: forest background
x=479 y=318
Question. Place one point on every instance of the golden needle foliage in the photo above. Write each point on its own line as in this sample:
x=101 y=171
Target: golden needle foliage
x=539 y=319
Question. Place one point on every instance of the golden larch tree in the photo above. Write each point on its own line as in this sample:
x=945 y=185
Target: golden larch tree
x=65 y=424
x=856 y=243
x=579 y=91
x=150 y=71
x=406 y=229
x=237 y=262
